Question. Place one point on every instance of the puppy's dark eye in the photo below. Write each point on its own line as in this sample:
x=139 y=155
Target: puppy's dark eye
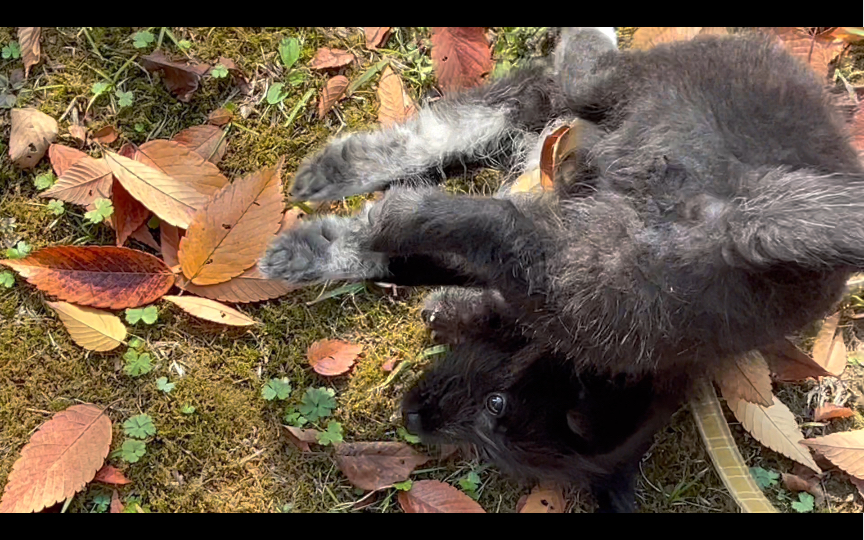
x=495 y=404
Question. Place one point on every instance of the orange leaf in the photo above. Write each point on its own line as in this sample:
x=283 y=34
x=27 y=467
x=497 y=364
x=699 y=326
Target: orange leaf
x=331 y=357
x=389 y=364
x=32 y=133
x=183 y=164
x=789 y=364
x=376 y=36
x=396 y=104
x=544 y=500
x=331 y=59
x=106 y=135
x=129 y=214
x=210 y=310
x=376 y=465
x=170 y=236
x=207 y=141
x=60 y=459
x=82 y=183
x=250 y=286
x=334 y=90
x=116 y=505
x=107 y=277
x=63 y=157
x=460 y=56
x=111 y=475
x=181 y=79
x=816 y=50
x=31 y=51
x=435 y=497
x=233 y=230
x=846 y=450
x=830 y=412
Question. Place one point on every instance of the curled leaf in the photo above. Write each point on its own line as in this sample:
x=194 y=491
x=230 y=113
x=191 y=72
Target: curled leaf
x=210 y=310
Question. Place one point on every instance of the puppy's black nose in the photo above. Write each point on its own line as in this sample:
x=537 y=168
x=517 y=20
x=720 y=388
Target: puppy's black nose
x=412 y=422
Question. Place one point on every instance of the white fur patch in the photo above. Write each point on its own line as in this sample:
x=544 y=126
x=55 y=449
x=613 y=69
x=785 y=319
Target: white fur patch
x=609 y=32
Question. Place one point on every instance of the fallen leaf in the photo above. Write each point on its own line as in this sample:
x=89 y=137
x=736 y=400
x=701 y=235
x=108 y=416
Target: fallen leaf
x=376 y=36
x=250 y=286
x=460 y=56
x=543 y=500
x=811 y=485
x=170 y=236
x=111 y=475
x=748 y=379
x=106 y=135
x=182 y=163
x=647 y=37
x=63 y=157
x=98 y=276
x=818 y=50
x=301 y=438
x=31 y=50
x=775 y=427
x=128 y=150
x=60 y=459
x=220 y=117
x=233 y=230
x=331 y=59
x=78 y=133
x=830 y=412
x=209 y=142
x=116 y=505
x=389 y=364
x=376 y=465
x=237 y=76
x=90 y=328
x=556 y=148
x=142 y=234
x=129 y=214
x=334 y=90
x=829 y=350
x=182 y=80
x=845 y=450
x=32 y=133
x=396 y=105
x=849 y=34
x=290 y=219
x=331 y=357
x=83 y=182
x=435 y=497
x=789 y=364
x=210 y=310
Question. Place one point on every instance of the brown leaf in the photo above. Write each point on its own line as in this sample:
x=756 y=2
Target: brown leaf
x=220 y=117
x=830 y=412
x=99 y=276
x=818 y=50
x=858 y=483
x=460 y=56
x=396 y=105
x=82 y=183
x=60 y=459
x=390 y=364
x=170 y=236
x=829 y=350
x=31 y=51
x=128 y=150
x=129 y=214
x=376 y=36
x=78 y=133
x=748 y=379
x=90 y=328
x=334 y=90
x=435 y=497
x=210 y=310
x=331 y=59
x=207 y=141
x=789 y=364
x=250 y=286
x=116 y=505
x=32 y=133
x=184 y=164
x=301 y=438
x=376 y=465
x=233 y=230
x=182 y=80
x=237 y=76
x=556 y=148
x=142 y=234
x=845 y=450
x=63 y=157
x=331 y=357
x=111 y=475
x=775 y=427
x=544 y=500
x=290 y=219
x=849 y=34
x=811 y=485
x=106 y=135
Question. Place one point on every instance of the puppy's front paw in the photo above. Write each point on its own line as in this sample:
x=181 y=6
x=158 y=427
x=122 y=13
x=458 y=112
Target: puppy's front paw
x=328 y=175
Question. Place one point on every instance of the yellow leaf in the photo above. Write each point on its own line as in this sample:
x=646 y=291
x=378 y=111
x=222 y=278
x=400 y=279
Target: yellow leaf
x=90 y=328
x=210 y=310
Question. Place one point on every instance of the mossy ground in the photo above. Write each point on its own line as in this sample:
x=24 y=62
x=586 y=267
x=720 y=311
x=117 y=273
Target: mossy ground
x=230 y=454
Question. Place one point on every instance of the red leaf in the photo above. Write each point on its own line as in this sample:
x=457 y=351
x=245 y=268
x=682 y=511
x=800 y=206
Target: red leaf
x=434 y=497
x=331 y=59
x=376 y=465
x=460 y=55
x=63 y=157
x=111 y=475
x=129 y=214
x=182 y=80
x=330 y=357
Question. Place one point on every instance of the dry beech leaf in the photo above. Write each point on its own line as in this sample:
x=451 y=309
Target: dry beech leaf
x=106 y=135
x=830 y=412
x=829 y=350
x=82 y=183
x=181 y=79
x=32 y=133
x=60 y=459
x=775 y=427
x=331 y=357
x=748 y=379
x=543 y=500
x=116 y=505
x=171 y=201
x=376 y=465
x=90 y=328
x=210 y=310
x=334 y=90
x=183 y=164
x=301 y=438
x=111 y=475
x=789 y=364
x=233 y=230
x=331 y=59
x=396 y=105
x=31 y=51
x=98 y=276
x=220 y=117
x=647 y=37
x=129 y=214
x=816 y=50
x=435 y=497
x=250 y=286
x=845 y=450
x=376 y=36
x=209 y=142
x=63 y=157
x=460 y=56
x=170 y=236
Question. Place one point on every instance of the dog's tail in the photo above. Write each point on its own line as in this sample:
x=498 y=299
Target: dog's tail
x=799 y=217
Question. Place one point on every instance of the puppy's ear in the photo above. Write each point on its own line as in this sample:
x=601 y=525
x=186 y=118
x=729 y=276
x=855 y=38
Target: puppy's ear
x=580 y=424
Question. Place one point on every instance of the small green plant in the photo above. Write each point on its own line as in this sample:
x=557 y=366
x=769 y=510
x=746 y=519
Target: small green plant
x=163 y=385
x=804 y=503
x=332 y=435
x=148 y=314
x=44 y=181
x=276 y=389
x=13 y=51
x=132 y=505
x=124 y=99
x=100 y=88
x=139 y=128
x=296 y=78
x=470 y=483
x=275 y=94
x=289 y=52
x=136 y=364
x=132 y=450
x=294 y=418
x=56 y=207
x=184 y=45
x=136 y=343
x=317 y=403
x=764 y=478
x=7 y=279
x=403 y=486
x=139 y=426
x=219 y=71
x=101 y=502
x=21 y=250
x=187 y=409
x=413 y=439
x=104 y=209
x=140 y=40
